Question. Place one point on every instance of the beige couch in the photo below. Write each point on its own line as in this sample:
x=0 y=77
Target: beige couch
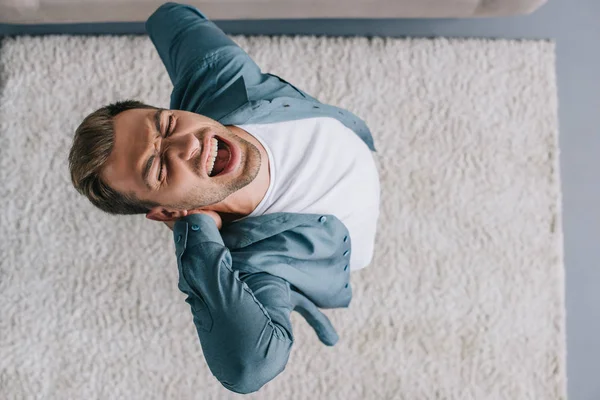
x=77 y=11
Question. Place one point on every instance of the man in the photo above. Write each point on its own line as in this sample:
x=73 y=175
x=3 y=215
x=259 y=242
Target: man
x=272 y=196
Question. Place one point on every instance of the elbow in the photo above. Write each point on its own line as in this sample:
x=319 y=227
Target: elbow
x=249 y=375
x=245 y=382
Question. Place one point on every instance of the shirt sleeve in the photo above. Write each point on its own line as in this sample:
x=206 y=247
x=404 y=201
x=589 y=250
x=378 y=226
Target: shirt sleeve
x=245 y=334
x=202 y=60
x=184 y=38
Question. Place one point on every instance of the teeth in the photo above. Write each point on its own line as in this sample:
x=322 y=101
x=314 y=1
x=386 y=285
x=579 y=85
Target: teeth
x=213 y=156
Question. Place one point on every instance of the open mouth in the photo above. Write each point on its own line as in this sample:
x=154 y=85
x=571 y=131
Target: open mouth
x=219 y=158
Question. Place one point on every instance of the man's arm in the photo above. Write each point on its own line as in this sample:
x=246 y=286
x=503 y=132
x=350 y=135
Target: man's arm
x=184 y=39
x=242 y=319
x=202 y=60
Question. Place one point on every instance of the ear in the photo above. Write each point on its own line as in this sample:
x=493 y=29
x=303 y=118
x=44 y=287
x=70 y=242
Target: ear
x=162 y=214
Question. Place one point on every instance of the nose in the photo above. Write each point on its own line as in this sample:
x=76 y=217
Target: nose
x=183 y=147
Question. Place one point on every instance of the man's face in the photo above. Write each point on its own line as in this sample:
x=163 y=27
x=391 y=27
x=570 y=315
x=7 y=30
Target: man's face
x=177 y=177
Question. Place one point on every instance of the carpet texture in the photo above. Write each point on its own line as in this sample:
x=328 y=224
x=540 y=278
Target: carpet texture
x=463 y=300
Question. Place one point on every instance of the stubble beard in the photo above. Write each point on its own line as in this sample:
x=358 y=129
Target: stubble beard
x=250 y=163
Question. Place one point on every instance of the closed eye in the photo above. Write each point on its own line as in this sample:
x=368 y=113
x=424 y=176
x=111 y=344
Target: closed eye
x=167 y=134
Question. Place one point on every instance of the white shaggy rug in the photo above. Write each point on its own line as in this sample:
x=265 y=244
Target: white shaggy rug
x=464 y=298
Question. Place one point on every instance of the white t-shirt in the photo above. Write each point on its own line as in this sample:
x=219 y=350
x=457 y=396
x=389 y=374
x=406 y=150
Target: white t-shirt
x=319 y=166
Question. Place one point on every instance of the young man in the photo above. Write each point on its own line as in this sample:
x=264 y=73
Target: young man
x=272 y=196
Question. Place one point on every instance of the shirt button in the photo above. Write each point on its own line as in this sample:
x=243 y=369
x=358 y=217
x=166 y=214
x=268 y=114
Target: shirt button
x=346 y=252
x=346 y=285
x=195 y=227
x=323 y=219
x=345 y=238
x=178 y=239
x=346 y=267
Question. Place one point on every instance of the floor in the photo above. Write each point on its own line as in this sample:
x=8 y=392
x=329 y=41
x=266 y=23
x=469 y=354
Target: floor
x=576 y=32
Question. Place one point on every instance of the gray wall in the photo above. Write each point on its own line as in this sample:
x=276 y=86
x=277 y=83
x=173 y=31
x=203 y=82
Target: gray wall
x=575 y=27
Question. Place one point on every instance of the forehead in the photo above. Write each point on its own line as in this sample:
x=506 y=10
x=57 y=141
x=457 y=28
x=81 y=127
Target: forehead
x=133 y=134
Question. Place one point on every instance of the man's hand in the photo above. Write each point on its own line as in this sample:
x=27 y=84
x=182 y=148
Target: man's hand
x=216 y=217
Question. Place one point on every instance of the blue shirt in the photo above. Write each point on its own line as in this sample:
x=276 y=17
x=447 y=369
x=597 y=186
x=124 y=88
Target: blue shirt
x=243 y=282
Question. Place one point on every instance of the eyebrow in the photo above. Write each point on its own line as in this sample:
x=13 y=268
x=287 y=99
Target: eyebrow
x=150 y=161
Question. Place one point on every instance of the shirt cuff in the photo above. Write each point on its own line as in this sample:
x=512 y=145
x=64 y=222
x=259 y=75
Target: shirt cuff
x=194 y=229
